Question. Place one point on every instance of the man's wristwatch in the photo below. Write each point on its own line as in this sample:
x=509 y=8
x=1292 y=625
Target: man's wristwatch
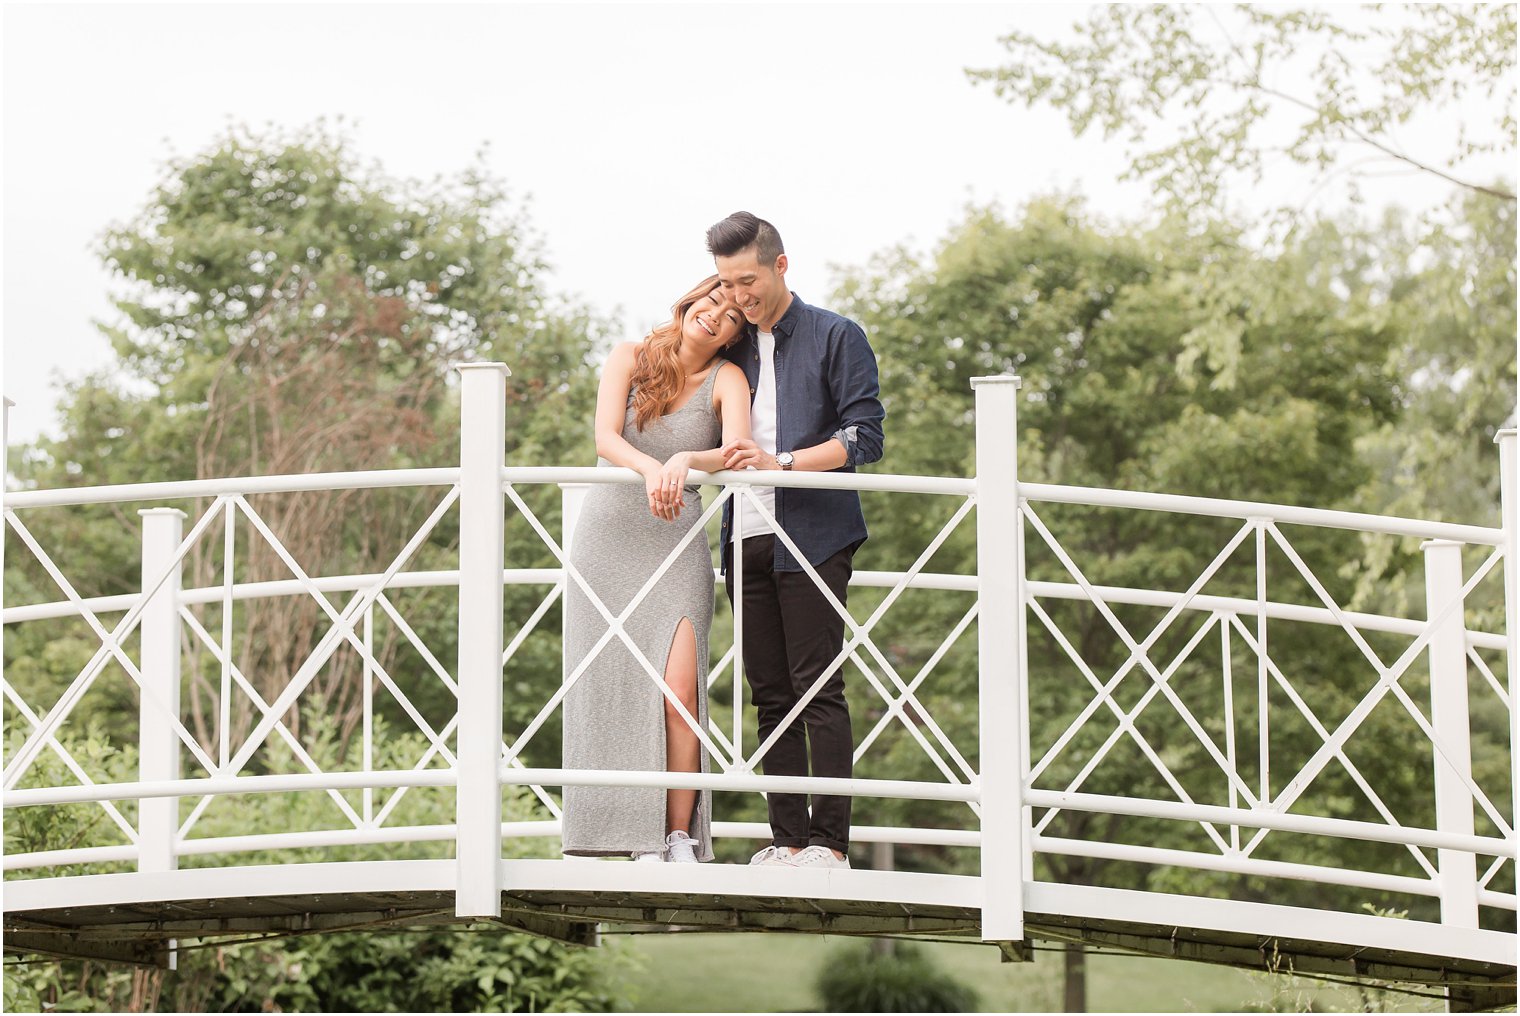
x=784 y=460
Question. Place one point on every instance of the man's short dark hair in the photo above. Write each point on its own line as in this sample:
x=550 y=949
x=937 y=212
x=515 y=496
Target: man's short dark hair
x=741 y=230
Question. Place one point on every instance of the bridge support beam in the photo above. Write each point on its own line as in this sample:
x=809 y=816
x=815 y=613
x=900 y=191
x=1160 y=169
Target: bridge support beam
x=1000 y=655
x=477 y=802
x=1458 y=869
x=158 y=744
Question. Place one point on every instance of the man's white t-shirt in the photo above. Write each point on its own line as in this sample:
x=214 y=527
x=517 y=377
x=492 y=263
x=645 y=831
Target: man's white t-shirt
x=762 y=424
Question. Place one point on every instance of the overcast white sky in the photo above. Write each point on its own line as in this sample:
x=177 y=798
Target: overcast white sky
x=630 y=128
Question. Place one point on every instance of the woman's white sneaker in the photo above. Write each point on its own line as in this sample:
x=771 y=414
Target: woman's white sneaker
x=817 y=856
x=650 y=856
x=680 y=848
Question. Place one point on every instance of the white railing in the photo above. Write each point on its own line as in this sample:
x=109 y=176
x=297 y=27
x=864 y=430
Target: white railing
x=1014 y=793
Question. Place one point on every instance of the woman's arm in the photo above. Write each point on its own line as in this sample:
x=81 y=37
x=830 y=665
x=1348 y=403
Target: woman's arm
x=731 y=396
x=611 y=411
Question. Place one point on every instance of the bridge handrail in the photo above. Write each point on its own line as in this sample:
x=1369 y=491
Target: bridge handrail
x=1096 y=497
x=1324 y=518
x=285 y=483
x=138 y=790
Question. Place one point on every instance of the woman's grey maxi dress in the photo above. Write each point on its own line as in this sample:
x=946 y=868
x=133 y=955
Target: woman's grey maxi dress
x=614 y=715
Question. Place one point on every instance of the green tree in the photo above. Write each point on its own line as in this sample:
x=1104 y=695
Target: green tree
x=1090 y=316
x=1452 y=292
x=286 y=309
x=1206 y=97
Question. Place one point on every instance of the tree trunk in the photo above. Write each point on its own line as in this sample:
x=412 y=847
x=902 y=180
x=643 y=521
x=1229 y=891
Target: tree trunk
x=1075 y=980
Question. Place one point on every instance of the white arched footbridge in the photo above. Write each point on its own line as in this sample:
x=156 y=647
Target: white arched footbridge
x=1266 y=778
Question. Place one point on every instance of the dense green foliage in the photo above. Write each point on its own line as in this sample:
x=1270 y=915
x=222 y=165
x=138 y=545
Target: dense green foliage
x=288 y=310
x=384 y=969
x=427 y=970
x=859 y=978
x=1210 y=102
x=1290 y=410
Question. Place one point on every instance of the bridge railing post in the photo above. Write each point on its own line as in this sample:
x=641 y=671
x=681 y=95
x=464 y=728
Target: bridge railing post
x=477 y=801
x=1509 y=488
x=1458 y=869
x=1000 y=656
x=157 y=741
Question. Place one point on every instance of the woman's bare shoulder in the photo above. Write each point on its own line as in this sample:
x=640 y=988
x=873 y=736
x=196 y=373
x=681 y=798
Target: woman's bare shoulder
x=730 y=384
x=622 y=357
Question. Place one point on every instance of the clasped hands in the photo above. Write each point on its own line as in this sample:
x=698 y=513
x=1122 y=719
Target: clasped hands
x=665 y=486
x=743 y=453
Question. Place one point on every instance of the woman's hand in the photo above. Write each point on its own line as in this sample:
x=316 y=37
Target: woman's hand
x=666 y=487
x=654 y=493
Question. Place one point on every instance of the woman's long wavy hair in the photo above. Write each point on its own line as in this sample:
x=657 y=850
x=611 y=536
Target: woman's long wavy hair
x=657 y=375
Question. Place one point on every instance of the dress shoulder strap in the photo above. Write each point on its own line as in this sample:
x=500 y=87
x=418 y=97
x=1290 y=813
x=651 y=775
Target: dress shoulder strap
x=712 y=375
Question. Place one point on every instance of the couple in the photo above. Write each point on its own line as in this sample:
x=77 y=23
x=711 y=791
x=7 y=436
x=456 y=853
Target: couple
x=745 y=376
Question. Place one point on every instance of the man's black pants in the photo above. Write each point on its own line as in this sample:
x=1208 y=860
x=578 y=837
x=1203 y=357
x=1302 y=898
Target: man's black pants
x=791 y=635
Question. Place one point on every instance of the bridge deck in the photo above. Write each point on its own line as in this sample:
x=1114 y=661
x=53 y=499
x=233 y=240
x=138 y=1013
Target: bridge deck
x=133 y=917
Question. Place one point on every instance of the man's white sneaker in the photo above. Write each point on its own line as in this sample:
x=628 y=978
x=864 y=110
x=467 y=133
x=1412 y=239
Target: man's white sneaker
x=650 y=856
x=817 y=856
x=679 y=848
x=773 y=856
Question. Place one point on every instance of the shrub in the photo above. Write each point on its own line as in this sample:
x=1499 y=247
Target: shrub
x=435 y=969
x=858 y=979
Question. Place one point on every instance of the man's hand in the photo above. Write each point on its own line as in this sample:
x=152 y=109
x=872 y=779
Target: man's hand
x=743 y=453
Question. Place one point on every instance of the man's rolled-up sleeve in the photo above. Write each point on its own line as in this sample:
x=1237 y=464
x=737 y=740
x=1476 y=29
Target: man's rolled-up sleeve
x=856 y=388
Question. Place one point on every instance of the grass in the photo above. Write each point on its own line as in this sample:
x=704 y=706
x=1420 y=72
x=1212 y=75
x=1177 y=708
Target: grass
x=776 y=973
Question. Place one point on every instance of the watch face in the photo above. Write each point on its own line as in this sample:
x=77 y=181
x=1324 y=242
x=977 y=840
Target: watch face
x=784 y=460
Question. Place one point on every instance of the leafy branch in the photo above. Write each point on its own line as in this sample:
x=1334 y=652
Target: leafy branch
x=1134 y=70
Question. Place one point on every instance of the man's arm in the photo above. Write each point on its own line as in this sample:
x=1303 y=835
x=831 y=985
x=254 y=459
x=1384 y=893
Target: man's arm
x=855 y=386
x=743 y=453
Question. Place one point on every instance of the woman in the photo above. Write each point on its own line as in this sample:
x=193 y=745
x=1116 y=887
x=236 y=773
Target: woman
x=664 y=407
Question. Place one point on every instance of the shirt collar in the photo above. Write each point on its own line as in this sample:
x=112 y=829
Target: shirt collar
x=787 y=323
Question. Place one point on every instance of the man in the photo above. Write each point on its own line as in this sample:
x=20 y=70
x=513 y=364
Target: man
x=815 y=407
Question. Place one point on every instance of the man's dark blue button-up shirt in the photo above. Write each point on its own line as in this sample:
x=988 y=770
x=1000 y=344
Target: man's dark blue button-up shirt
x=826 y=388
